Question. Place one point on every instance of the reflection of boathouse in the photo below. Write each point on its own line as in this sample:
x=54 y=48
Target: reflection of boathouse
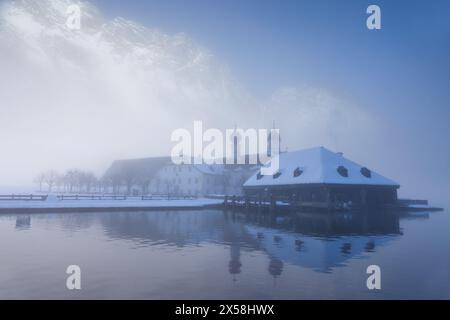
x=318 y=177
x=316 y=241
x=322 y=242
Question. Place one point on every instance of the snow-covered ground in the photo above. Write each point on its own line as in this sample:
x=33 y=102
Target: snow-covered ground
x=133 y=202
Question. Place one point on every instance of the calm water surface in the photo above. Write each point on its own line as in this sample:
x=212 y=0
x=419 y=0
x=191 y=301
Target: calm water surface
x=213 y=254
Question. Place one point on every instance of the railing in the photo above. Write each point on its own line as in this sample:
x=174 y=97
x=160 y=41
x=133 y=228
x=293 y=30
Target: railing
x=122 y=197
x=276 y=201
x=23 y=197
x=408 y=202
x=91 y=197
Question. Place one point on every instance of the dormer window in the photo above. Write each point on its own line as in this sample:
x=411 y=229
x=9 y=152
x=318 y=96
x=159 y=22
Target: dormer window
x=366 y=172
x=259 y=176
x=297 y=172
x=343 y=171
x=277 y=175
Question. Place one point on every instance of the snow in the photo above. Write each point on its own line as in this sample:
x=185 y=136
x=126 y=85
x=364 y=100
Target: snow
x=54 y=203
x=419 y=206
x=319 y=165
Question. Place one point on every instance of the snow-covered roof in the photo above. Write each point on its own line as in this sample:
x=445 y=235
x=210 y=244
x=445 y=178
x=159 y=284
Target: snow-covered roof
x=319 y=166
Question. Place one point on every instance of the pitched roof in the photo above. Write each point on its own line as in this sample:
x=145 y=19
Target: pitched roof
x=137 y=168
x=213 y=169
x=318 y=166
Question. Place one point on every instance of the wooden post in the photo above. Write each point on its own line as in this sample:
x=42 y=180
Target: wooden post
x=293 y=204
x=364 y=198
x=328 y=198
x=272 y=202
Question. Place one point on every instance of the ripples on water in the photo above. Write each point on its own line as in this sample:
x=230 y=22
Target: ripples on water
x=214 y=254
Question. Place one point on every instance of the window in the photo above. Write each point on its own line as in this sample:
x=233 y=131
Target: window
x=277 y=175
x=366 y=172
x=259 y=176
x=342 y=171
x=297 y=172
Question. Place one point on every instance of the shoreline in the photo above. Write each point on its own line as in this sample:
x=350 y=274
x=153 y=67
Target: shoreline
x=56 y=206
x=104 y=209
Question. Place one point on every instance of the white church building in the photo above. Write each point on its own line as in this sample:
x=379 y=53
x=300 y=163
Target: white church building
x=159 y=176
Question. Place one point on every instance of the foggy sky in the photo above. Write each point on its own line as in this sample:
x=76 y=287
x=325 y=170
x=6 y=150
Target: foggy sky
x=117 y=89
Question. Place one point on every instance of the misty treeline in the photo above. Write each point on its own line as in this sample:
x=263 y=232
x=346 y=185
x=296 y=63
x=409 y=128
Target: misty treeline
x=73 y=180
x=83 y=181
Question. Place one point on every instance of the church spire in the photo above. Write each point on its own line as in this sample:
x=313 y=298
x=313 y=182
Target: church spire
x=269 y=141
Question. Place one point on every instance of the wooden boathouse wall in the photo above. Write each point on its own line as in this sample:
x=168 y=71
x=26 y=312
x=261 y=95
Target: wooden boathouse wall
x=318 y=196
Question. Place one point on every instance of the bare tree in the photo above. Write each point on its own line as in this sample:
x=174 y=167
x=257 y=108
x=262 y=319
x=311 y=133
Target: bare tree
x=115 y=181
x=104 y=184
x=70 y=179
x=50 y=178
x=59 y=182
x=77 y=180
x=129 y=178
x=88 y=180
x=144 y=183
x=74 y=180
x=39 y=180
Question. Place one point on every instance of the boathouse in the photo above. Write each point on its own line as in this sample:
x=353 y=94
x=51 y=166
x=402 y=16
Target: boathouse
x=321 y=178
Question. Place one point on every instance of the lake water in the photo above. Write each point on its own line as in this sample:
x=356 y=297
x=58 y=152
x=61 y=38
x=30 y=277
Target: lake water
x=212 y=254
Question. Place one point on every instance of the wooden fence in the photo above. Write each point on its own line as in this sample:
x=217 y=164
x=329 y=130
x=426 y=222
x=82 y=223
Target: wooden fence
x=91 y=197
x=23 y=197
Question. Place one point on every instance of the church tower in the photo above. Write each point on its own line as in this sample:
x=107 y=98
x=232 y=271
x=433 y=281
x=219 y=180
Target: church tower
x=269 y=142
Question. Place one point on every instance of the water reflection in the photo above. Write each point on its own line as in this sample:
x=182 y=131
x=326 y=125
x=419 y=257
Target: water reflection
x=321 y=241
x=23 y=222
x=312 y=240
x=234 y=267
x=262 y=255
